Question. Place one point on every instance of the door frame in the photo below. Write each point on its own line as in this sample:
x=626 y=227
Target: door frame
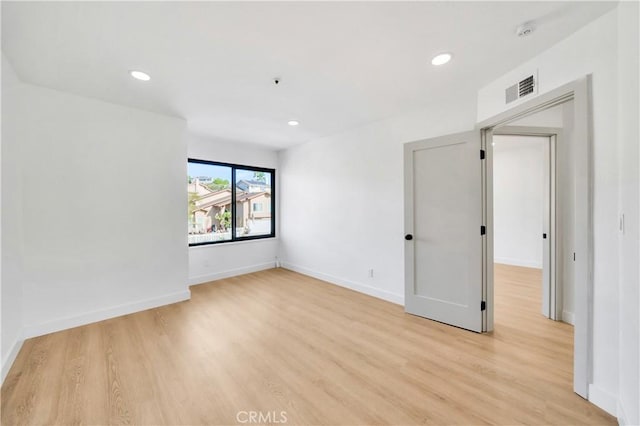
x=552 y=288
x=580 y=92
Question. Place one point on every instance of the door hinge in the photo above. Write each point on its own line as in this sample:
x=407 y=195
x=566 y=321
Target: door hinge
x=482 y=153
x=483 y=306
x=483 y=230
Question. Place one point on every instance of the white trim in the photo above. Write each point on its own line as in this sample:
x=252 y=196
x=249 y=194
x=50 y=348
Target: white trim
x=603 y=399
x=232 y=243
x=623 y=420
x=103 y=314
x=398 y=299
x=518 y=262
x=201 y=279
x=568 y=317
x=11 y=357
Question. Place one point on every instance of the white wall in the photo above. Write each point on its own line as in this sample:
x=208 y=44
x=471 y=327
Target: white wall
x=212 y=262
x=102 y=208
x=592 y=50
x=629 y=137
x=342 y=200
x=11 y=223
x=518 y=199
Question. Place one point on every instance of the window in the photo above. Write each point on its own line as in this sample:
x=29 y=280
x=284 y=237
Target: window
x=228 y=202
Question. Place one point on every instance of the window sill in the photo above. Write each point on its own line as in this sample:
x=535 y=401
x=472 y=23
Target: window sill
x=232 y=243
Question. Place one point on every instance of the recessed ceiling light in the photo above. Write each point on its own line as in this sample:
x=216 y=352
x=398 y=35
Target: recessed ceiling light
x=139 y=75
x=293 y=122
x=441 y=59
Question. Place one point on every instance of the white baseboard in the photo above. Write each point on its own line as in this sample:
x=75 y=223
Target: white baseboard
x=623 y=420
x=518 y=262
x=568 y=317
x=103 y=314
x=361 y=288
x=201 y=279
x=603 y=399
x=7 y=362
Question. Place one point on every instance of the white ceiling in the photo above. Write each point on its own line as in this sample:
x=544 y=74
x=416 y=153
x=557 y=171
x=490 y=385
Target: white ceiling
x=341 y=64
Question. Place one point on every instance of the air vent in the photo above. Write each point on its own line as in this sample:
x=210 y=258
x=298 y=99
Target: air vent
x=524 y=87
x=511 y=94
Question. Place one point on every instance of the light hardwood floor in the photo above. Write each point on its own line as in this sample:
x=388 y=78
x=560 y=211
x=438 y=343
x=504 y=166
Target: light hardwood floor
x=277 y=341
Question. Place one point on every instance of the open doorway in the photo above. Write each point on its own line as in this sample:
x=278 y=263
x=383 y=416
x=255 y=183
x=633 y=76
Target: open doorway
x=533 y=214
x=574 y=242
x=524 y=226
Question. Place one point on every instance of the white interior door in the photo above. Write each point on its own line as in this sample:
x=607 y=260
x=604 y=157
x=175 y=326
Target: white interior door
x=443 y=239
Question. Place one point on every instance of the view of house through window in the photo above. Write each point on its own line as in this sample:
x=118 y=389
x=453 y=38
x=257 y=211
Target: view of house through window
x=229 y=202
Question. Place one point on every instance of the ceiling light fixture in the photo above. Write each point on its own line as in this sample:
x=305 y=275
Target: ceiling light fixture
x=293 y=122
x=441 y=59
x=139 y=75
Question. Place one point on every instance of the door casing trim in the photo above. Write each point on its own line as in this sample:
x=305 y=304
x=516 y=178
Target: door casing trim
x=580 y=92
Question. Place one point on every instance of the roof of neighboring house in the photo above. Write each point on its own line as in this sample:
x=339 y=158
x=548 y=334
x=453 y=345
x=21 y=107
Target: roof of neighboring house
x=219 y=202
x=253 y=182
x=202 y=185
x=227 y=200
x=214 y=194
x=252 y=195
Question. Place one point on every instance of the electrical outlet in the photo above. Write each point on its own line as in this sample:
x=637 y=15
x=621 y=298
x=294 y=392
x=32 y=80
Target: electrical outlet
x=370 y=273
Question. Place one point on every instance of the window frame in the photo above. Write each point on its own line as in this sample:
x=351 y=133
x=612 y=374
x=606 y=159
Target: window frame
x=234 y=167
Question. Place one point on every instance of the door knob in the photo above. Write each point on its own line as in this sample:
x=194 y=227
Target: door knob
x=544 y=236
x=408 y=237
